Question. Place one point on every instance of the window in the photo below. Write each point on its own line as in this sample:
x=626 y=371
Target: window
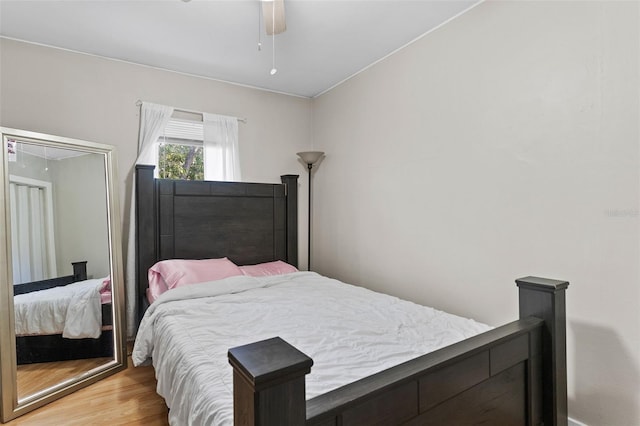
x=186 y=148
x=180 y=154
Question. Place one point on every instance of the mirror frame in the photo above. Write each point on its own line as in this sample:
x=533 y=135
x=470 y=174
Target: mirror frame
x=11 y=407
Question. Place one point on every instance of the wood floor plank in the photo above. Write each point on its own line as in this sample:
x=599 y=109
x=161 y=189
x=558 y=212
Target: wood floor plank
x=38 y=376
x=126 y=398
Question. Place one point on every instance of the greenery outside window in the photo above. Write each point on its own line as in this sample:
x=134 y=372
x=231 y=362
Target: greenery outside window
x=180 y=154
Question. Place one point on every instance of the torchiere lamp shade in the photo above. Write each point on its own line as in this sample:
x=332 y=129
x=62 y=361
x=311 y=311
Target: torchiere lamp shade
x=310 y=157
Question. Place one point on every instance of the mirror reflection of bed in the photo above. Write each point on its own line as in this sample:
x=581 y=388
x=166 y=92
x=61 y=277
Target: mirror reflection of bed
x=61 y=215
x=63 y=329
x=62 y=308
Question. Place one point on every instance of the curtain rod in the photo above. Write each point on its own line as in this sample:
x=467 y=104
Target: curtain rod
x=241 y=120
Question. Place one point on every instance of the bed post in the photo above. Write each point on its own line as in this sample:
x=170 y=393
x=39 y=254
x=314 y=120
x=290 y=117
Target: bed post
x=269 y=384
x=545 y=299
x=146 y=248
x=79 y=270
x=291 y=182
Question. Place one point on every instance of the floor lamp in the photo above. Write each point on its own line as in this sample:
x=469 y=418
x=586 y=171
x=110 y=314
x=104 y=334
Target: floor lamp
x=310 y=158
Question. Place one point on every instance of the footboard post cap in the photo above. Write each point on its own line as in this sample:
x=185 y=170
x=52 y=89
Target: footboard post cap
x=542 y=284
x=267 y=361
x=269 y=384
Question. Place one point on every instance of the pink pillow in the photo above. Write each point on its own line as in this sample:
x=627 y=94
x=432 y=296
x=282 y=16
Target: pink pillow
x=179 y=272
x=106 y=285
x=156 y=286
x=105 y=291
x=277 y=267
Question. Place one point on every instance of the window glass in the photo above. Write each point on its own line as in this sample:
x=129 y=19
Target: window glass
x=180 y=155
x=178 y=161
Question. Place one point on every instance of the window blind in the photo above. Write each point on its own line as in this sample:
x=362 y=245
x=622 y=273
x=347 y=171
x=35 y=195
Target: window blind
x=179 y=130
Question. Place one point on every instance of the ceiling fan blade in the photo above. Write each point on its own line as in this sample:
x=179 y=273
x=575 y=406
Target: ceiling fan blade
x=277 y=25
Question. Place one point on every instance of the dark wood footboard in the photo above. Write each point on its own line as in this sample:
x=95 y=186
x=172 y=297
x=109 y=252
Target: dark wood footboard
x=512 y=375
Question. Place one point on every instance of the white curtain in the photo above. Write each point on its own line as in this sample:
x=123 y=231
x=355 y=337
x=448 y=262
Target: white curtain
x=153 y=120
x=221 y=154
x=28 y=238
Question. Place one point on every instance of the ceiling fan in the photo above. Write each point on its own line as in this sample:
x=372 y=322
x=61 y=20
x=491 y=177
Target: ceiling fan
x=274 y=23
x=274 y=19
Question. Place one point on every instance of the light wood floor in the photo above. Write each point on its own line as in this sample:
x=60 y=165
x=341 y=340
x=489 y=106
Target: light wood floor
x=34 y=377
x=126 y=398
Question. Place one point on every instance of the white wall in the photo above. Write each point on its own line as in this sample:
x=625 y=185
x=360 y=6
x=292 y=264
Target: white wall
x=501 y=145
x=79 y=209
x=79 y=96
x=80 y=199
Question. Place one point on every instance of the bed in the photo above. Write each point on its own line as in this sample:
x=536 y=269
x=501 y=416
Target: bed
x=512 y=374
x=63 y=318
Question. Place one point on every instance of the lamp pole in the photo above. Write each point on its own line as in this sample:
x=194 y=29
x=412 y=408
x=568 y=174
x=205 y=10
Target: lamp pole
x=310 y=158
x=309 y=167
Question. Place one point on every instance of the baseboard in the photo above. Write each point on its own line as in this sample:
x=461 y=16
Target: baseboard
x=573 y=422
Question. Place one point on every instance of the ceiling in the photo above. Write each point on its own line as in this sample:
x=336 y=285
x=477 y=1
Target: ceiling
x=46 y=152
x=326 y=41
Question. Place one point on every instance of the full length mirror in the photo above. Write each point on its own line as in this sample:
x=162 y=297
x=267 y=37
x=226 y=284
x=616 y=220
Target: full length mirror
x=62 y=292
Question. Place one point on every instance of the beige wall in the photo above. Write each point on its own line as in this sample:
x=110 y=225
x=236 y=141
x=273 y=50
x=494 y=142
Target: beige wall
x=504 y=144
x=79 y=209
x=80 y=200
x=79 y=96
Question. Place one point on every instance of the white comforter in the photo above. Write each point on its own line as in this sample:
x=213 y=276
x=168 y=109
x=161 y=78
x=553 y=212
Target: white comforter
x=74 y=310
x=348 y=331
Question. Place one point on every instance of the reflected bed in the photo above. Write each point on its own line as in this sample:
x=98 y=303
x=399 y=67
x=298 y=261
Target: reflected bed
x=64 y=318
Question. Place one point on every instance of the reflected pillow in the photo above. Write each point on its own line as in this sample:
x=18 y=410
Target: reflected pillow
x=106 y=284
x=168 y=274
x=105 y=290
x=277 y=267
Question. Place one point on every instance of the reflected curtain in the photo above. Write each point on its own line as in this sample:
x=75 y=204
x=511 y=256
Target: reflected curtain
x=28 y=242
x=221 y=156
x=153 y=120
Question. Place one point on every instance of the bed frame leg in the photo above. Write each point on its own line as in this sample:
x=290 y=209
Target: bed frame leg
x=545 y=299
x=269 y=384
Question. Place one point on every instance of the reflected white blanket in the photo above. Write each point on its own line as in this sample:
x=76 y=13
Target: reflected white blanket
x=74 y=310
x=348 y=331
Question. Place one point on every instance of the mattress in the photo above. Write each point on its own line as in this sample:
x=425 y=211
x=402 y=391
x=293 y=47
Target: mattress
x=73 y=310
x=348 y=331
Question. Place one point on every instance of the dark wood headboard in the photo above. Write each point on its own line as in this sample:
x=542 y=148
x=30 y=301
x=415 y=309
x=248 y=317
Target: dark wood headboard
x=79 y=274
x=247 y=222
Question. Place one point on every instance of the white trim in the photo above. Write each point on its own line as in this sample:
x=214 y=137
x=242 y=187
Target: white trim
x=159 y=68
x=47 y=188
x=398 y=49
